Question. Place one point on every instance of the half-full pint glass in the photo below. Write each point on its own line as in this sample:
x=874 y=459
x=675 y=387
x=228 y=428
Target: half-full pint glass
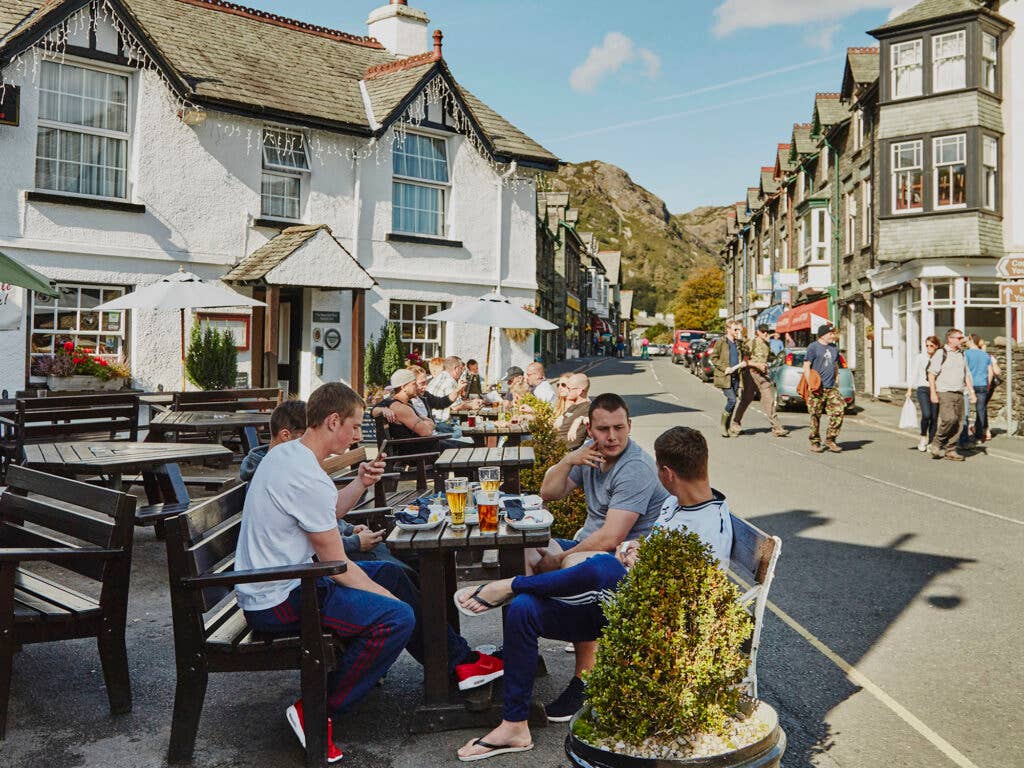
x=487 y=508
x=456 y=489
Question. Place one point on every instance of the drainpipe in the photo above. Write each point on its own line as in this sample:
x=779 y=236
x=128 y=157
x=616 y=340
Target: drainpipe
x=498 y=241
x=746 y=289
x=833 y=289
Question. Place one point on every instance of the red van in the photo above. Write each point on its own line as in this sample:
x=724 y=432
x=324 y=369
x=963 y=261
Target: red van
x=682 y=341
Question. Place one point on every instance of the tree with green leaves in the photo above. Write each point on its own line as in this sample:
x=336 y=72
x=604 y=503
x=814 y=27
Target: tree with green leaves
x=393 y=357
x=212 y=359
x=371 y=365
x=698 y=300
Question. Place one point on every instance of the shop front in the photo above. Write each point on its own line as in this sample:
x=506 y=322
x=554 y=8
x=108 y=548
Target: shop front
x=797 y=326
x=573 y=327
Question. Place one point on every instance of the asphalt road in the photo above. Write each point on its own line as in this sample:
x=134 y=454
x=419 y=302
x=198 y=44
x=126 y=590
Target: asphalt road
x=899 y=580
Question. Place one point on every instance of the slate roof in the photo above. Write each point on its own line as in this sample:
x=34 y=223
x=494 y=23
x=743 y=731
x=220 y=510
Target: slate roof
x=275 y=251
x=863 y=64
x=829 y=109
x=753 y=198
x=932 y=10
x=612 y=261
x=782 y=158
x=223 y=55
x=802 y=141
x=769 y=184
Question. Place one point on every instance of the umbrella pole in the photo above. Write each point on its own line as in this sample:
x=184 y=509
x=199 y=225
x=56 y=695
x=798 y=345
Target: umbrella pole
x=182 y=313
x=487 y=364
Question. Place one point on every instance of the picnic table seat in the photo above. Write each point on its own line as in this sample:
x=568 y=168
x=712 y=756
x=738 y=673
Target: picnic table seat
x=42 y=520
x=227 y=400
x=210 y=631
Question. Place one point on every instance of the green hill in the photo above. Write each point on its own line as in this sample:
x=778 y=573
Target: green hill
x=658 y=249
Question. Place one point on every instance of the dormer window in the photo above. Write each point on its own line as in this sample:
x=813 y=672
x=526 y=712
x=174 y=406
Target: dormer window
x=420 y=185
x=989 y=61
x=949 y=61
x=285 y=162
x=906 y=69
x=82 y=136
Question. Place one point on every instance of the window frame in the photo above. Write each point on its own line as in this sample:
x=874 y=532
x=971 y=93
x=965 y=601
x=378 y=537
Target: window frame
x=443 y=188
x=869 y=209
x=989 y=65
x=851 y=221
x=895 y=69
x=937 y=61
x=280 y=170
x=894 y=173
x=410 y=341
x=936 y=143
x=126 y=135
x=986 y=168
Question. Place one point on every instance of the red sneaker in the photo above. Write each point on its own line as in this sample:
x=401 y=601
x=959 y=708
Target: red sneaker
x=297 y=722
x=480 y=672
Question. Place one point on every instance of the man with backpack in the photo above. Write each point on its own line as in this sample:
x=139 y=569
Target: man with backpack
x=755 y=379
x=948 y=377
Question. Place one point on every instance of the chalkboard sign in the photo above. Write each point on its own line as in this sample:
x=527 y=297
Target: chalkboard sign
x=326 y=317
x=10 y=97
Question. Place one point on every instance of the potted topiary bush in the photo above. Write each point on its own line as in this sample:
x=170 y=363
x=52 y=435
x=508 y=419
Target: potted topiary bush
x=665 y=688
x=212 y=359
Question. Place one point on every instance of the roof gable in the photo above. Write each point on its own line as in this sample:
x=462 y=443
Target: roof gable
x=612 y=261
x=801 y=144
x=828 y=111
x=861 y=69
x=769 y=184
x=928 y=11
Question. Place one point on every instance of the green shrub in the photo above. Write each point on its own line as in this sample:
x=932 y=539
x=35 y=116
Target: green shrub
x=212 y=359
x=670 y=657
x=548 y=449
x=393 y=357
x=371 y=367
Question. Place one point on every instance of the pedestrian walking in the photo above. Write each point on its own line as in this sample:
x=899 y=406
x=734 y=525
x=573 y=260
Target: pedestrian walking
x=775 y=343
x=727 y=359
x=995 y=381
x=644 y=353
x=919 y=385
x=979 y=364
x=822 y=357
x=755 y=379
x=948 y=376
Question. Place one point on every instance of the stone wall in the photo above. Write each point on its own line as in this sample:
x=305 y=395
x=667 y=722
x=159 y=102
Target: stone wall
x=997 y=406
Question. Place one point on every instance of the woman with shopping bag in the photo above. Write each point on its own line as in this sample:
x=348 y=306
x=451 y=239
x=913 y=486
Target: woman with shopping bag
x=919 y=384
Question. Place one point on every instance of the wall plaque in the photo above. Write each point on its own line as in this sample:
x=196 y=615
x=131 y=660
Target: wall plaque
x=326 y=317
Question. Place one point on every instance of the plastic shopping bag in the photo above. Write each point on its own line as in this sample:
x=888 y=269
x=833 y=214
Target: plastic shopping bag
x=908 y=415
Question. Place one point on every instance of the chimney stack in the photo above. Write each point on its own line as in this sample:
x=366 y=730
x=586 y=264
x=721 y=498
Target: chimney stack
x=438 y=37
x=400 y=29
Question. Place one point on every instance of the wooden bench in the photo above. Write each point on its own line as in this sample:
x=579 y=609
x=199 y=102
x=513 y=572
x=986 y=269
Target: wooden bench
x=210 y=631
x=45 y=419
x=86 y=532
x=752 y=564
x=227 y=400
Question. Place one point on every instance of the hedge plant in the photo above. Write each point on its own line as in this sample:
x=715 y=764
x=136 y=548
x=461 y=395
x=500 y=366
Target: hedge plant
x=671 y=655
x=548 y=449
x=392 y=357
x=212 y=359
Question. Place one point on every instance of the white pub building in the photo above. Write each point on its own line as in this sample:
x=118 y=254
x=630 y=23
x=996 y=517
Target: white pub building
x=344 y=180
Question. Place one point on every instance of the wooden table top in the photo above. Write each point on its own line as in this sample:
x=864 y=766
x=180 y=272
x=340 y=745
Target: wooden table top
x=497 y=428
x=510 y=457
x=443 y=537
x=119 y=456
x=198 y=421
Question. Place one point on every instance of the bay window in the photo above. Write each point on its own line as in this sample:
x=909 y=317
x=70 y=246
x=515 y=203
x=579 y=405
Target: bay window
x=907 y=176
x=814 y=234
x=950 y=174
x=285 y=162
x=949 y=61
x=82 y=134
x=906 y=69
x=989 y=173
x=420 y=185
x=989 y=61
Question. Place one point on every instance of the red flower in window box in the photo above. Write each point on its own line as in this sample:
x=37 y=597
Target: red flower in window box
x=100 y=361
x=68 y=346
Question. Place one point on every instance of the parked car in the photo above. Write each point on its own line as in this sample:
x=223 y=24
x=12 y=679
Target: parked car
x=787 y=368
x=692 y=353
x=681 y=342
x=658 y=350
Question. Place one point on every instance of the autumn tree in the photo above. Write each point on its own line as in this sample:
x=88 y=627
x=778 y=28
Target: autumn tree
x=699 y=298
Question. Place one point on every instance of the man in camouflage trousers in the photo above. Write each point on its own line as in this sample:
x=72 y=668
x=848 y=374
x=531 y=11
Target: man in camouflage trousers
x=823 y=357
x=755 y=379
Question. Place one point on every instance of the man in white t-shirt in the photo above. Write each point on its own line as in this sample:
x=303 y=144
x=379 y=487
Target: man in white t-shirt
x=567 y=604
x=539 y=384
x=291 y=513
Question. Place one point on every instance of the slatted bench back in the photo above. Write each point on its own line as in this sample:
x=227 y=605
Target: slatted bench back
x=369 y=429
x=46 y=419
x=40 y=510
x=227 y=400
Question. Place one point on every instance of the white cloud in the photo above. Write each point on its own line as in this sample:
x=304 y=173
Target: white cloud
x=734 y=15
x=614 y=52
x=822 y=37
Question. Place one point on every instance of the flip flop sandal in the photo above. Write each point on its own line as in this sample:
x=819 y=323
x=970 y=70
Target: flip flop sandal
x=462 y=593
x=494 y=749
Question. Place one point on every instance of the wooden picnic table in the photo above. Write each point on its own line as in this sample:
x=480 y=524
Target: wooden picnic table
x=157 y=462
x=485 y=434
x=465 y=462
x=444 y=708
x=244 y=423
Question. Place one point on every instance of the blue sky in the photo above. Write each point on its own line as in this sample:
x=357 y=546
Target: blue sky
x=710 y=86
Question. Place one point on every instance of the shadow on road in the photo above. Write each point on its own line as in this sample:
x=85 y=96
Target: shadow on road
x=845 y=594
x=650 y=404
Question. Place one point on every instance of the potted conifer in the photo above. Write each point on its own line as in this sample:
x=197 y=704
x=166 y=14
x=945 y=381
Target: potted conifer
x=664 y=691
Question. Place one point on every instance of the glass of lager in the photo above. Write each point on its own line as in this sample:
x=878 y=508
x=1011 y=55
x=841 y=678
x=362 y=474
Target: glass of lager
x=490 y=478
x=457 y=489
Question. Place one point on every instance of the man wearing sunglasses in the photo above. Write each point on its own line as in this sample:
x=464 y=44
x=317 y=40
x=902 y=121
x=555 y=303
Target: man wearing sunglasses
x=948 y=377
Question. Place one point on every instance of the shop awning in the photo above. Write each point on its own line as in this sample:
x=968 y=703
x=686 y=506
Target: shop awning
x=770 y=316
x=803 y=317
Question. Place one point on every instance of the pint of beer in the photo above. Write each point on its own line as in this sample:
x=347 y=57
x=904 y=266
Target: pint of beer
x=487 y=507
x=490 y=478
x=456 y=489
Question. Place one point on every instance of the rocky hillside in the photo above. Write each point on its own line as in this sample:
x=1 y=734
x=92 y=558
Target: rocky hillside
x=658 y=249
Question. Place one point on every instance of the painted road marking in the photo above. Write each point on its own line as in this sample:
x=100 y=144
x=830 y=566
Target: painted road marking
x=858 y=678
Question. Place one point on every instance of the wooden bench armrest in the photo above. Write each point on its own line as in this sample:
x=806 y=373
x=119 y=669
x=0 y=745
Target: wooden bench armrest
x=366 y=512
x=155 y=513
x=57 y=554
x=255 y=575
x=409 y=457
x=8 y=422
x=425 y=440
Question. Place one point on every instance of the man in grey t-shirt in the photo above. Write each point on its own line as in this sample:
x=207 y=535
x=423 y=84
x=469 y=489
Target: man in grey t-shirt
x=949 y=377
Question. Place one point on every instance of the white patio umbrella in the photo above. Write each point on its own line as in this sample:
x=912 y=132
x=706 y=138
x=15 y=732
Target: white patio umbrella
x=494 y=311
x=181 y=290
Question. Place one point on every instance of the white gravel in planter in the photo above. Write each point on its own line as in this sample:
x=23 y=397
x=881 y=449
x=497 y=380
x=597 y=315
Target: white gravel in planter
x=739 y=734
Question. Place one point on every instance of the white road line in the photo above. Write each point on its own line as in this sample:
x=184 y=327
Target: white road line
x=858 y=678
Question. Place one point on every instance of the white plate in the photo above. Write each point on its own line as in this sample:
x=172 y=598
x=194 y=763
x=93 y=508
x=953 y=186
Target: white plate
x=531 y=501
x=418 y=526
x=535 y=520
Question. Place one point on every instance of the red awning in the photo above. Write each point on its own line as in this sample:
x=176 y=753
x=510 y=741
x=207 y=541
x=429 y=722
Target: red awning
x=799 y=318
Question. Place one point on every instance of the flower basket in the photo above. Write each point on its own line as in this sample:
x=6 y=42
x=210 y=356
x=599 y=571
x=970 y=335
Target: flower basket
x=83 y=383
x=78 y=369
x=518 y=335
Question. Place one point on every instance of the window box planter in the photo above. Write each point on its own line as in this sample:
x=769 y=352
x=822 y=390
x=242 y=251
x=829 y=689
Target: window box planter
x=83 y=384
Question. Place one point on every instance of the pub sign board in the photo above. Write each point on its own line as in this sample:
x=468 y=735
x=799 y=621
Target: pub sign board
x=10 y=99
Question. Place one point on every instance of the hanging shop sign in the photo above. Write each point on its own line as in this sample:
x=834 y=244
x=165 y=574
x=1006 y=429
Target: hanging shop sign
x=1010 y=266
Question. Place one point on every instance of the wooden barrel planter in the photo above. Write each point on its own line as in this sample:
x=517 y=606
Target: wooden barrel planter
x=765 y=753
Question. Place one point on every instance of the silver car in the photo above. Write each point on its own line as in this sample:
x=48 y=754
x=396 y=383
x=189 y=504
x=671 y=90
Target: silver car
x=787 y=368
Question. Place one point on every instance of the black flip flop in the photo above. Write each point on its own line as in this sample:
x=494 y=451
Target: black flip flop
x=495 y=749
x=475 y=596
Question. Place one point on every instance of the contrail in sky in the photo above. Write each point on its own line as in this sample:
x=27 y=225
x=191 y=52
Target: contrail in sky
x=749 y=78
x=684 y=113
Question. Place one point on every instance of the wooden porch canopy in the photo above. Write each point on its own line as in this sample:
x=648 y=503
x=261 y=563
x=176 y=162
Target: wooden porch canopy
x=307 y=256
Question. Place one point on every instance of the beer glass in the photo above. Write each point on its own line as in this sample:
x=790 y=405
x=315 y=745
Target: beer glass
x=456 y=489
x=490 y=478
x=487 y=508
